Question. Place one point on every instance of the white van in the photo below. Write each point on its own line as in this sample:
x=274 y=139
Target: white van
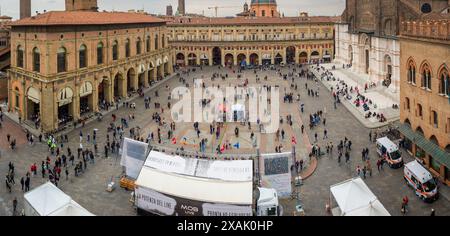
x=421 y=180
x=387 y=149
x=267 y=203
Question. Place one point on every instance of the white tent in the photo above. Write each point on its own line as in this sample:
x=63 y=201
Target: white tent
x=354 y=198
x=72 y=209
x=44 y=200
x=48 y=200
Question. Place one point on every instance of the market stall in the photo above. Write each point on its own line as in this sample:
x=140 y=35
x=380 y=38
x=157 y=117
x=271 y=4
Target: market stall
x=354 y=198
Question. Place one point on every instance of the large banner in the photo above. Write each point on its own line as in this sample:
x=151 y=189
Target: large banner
x=276 y=173
x=239 y=170
x=162 y=204
x=134 y=154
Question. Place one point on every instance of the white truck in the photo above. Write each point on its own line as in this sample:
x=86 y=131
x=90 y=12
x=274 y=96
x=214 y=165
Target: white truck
x=267 y=203
x=421 y=181
x=389 y=151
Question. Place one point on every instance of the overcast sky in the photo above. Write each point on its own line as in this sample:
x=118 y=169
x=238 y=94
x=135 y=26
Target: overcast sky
x=289 y=7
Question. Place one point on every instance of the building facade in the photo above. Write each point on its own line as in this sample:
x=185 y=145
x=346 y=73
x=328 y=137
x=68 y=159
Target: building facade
x=367 y=38
x=65 y=65
x=251 y=40
x=25 y=8
x=425 y=93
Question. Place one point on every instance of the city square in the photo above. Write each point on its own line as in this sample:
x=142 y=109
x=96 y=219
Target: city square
x=333 y=104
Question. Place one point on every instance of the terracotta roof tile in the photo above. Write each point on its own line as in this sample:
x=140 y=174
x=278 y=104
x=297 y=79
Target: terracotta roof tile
x=54 y=18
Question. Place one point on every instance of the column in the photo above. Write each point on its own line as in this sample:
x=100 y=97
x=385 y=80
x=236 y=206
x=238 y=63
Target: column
x=146 y=79
x=234 y=58
x=297 y=56
x=109 y=93
x=210 y=61
x=123 y=87
x=135 y=81
x=76 y=103
x=222 y=57
x=50 y=113
x=259 y=59
x=170 y=65
x=95 y=96
x=153 y=74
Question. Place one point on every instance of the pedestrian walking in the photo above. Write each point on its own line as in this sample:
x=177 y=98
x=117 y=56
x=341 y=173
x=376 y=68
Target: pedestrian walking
x=433 y=212
x=27 y=184
x=22 y=183
x=14 y=206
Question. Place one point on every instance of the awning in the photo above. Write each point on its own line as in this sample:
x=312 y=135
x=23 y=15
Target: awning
x=141 y=69
x=429 y=147
x=166 y=59
x=158 y=62
x=86 y=89
x=203 y=57
x=65 y=96
x=267 y=56
x=326 y=56
x=34 y=95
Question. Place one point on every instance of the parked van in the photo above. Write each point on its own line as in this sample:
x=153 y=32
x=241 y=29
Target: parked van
x=267 y=203
x=387 y=149
x=421 y=180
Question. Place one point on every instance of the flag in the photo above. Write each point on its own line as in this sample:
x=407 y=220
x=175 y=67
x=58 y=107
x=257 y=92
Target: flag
x=237 y=145
x=293 y=140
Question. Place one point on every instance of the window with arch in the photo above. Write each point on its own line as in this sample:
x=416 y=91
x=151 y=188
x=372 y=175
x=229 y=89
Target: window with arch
x=444 y=85
x=61 y=60
x=100 y=53
x=148 y=44
x=434 y=119
x=115 y=50
x=20 y=56
x=426 y=77
x=127 y=48
x=407 y=104
x=419 y=111
x=411 y=72
x=156 y=42
x=36 y=60
x=138 y=46
x=263 y=13
x=83 y=56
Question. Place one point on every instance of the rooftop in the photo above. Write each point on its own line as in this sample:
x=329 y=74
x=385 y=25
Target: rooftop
x=55 y=18
x=250 y=20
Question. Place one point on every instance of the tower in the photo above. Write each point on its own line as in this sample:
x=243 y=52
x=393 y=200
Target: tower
x=81 y=5
x=245 y=7
x=25 y=9
x=181 y=7
x=169 y=10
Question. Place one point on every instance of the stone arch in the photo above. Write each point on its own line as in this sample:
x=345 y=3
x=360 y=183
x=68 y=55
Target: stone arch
x=217 y=56
x=434 y=140
x=278 y=59
x=192 y=59
x=180 y=58
x=131 y=84
x=419 y=130
x=86 y=97
x=254 y=59
x=303 y=57
x=407 y=122
x=229 y=59
x=290 y=55
x=119 y=89
x=444 y=80
x=33 y=103
x=65 y=105
x=241 y=59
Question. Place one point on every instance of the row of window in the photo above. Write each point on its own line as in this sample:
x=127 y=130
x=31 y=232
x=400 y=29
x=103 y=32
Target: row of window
x=254 y=37
x=83 y=54
x=426 y=77
x=434 y=119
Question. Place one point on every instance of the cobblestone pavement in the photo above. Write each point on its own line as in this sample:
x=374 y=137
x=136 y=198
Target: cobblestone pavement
x=89 y=189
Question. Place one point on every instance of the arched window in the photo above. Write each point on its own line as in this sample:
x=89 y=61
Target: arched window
x=127 y=48
x=426 y=77
x=419 y=111
x=138 y=46
x=444 y=85
x=62 y=60
x=411 y=72
x=147 y=44
x=407 y=104
x=156 y=42
x=100 y=53
x=36 y=60
x=115 y=51
x=20 y=56
x=434 y=117
x=83 y=56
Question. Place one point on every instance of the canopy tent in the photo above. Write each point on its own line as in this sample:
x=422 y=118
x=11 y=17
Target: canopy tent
x=72 y=209
x=133 y=157
x=354 y=198
x=48 y=200
x=44 y=200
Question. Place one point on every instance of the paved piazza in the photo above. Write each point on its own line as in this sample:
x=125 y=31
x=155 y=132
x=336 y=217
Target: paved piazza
x=89 y=189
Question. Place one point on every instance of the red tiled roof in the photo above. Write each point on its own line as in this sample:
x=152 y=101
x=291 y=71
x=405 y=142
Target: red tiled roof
x=54 y=18
x=251 y=20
